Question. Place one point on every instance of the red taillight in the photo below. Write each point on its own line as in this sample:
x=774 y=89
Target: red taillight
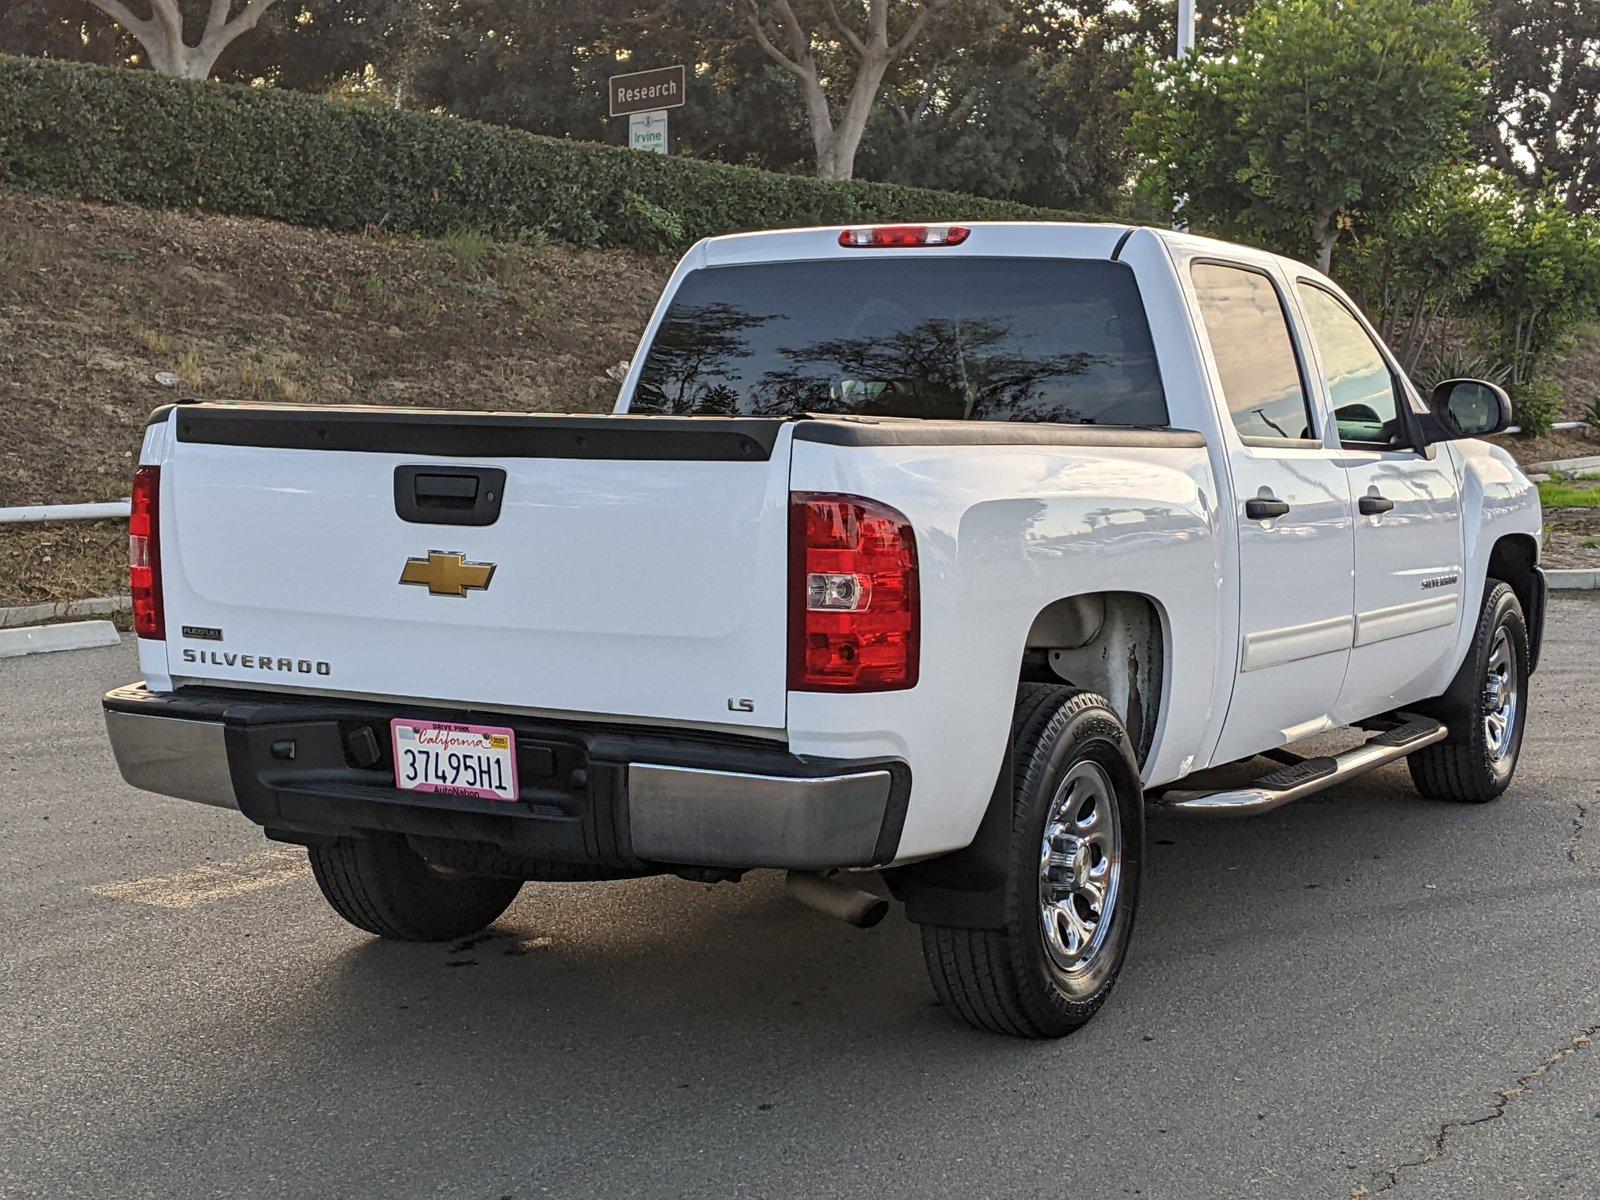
x=853 y=607
x=904 y=235
x=144 y=554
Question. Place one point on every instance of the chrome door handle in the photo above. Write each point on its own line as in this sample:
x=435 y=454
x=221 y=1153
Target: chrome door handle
x=1372 y=506
x=1265 y=510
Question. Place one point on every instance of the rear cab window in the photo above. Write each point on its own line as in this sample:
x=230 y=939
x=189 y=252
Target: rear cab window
x=959 y=338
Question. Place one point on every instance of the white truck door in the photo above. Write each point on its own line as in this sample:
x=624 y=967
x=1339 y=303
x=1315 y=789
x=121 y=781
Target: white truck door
x=1296 y=552
x=1408 y=538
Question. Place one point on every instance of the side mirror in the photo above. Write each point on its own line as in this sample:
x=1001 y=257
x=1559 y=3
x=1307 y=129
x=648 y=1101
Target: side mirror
x=1467 y=408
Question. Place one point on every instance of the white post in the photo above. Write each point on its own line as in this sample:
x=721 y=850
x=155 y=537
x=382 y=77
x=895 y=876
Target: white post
x=1185 y=46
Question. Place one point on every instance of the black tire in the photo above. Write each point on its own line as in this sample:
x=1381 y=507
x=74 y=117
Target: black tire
x=383 y=886
x=1467 y=767
x=1006 y=980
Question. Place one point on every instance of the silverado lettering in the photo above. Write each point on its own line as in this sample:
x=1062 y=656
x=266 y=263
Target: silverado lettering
x=257 y=662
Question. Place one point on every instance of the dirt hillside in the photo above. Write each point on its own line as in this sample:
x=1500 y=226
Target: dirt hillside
x=95 y=301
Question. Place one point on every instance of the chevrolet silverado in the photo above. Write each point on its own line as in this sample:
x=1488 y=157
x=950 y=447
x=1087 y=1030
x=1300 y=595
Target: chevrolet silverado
x=918 y=557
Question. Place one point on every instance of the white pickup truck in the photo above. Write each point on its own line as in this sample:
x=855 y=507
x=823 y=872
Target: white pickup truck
x=925 y=554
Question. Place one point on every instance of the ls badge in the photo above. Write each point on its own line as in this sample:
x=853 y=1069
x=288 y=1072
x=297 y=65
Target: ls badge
x=447 y=573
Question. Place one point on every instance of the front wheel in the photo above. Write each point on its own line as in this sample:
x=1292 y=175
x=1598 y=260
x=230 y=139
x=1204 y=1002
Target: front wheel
x=1486 y=709
x=383 y=886
x=1073 y=881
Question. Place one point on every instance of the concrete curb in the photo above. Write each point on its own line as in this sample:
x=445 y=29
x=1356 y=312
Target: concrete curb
x=42 y=639
x=34 y=614
x=1567 y=466
x=1580 y=579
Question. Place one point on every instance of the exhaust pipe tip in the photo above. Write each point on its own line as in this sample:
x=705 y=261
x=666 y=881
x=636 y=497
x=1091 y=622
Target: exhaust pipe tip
x=852 y=905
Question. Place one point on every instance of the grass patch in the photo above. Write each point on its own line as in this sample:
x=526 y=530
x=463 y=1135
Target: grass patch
x=22 y=250
x=467 y=248
x=263 y=382
x=153 y=340
x=191 y=367
x=1583 y=492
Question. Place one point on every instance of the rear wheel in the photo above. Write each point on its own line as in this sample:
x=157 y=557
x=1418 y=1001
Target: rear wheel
x=383 y=886
x=1073 y=878
x=1486 y=709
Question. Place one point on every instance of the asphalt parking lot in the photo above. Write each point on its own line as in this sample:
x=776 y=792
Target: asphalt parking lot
x=1364 y=992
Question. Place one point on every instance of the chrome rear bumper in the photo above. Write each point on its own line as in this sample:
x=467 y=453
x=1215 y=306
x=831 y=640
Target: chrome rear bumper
x=173 y=756
x=739 y=819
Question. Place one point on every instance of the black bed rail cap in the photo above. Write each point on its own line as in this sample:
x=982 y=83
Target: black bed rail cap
x=459 y=434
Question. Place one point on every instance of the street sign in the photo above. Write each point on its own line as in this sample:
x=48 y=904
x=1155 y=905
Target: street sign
x=648 y=131
x=647 y=91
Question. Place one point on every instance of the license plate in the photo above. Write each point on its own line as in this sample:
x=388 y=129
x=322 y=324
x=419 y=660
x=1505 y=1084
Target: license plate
x=457 y=760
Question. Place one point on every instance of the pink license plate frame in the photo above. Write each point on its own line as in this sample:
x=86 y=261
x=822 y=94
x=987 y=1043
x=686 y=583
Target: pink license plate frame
x=482 y=767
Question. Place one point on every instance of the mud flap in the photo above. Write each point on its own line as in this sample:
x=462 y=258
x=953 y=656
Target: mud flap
x=965 y=889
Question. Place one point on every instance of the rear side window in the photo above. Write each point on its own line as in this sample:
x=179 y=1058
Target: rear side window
x=958 y=338
x=1249 y=335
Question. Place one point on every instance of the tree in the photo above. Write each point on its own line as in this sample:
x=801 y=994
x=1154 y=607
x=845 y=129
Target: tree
x=162 y=33
x=50 y=29
x=1546 y=283
x=538 y=66
x=1545 y=96
x=312 y=45
x=542 y=65
x=817 y=47
x=306 y=44
x=1329 y=113
x=1416 y=266
x=1010 y=98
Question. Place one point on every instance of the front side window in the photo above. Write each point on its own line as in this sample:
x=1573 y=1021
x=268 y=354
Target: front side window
x=956 y=338
x=1255 y=356
x=1361 y=389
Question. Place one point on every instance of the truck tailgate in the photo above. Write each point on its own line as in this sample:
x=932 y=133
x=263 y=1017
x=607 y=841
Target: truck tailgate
x=638 y=563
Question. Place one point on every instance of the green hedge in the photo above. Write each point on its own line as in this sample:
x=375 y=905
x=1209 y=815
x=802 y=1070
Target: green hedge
x=135 y=137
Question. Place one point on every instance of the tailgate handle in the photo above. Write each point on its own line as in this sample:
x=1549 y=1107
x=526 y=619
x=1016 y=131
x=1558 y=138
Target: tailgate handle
x=430 y=495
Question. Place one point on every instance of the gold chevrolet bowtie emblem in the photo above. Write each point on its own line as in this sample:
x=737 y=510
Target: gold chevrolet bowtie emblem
x=445 y=573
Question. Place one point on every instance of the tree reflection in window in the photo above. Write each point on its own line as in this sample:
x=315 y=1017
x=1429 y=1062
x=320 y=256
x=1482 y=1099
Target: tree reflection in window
x=959 y=338
x=694 y=360
x=937 y=369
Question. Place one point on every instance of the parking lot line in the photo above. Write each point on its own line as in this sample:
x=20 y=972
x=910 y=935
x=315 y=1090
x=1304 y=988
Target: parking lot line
x=209 y=882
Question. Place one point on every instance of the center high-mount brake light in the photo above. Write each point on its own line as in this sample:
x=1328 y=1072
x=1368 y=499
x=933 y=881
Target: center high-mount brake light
x=144 y=555
x=853 y=596
x=904 y=235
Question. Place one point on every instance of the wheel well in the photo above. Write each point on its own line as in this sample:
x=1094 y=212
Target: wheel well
x=1512 y=560
x=1515 y=559
x=1106 y=642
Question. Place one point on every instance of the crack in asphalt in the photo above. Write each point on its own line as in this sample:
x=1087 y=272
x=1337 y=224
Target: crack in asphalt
x=1503 y=1100
x=1577 y=831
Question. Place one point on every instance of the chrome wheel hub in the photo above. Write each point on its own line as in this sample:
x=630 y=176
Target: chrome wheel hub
x=1080 y=868
x=1500 y=697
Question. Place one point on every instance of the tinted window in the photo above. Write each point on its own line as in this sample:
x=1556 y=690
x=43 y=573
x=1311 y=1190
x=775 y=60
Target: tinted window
x=1255 y=357
x=1361 y=389
x=983 y=339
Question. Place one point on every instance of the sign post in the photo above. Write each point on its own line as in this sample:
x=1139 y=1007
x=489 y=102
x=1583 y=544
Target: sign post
x=1185 y=47
x=644 y=98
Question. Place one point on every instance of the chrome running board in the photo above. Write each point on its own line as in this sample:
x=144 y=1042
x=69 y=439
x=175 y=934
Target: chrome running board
x=1310 y=775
